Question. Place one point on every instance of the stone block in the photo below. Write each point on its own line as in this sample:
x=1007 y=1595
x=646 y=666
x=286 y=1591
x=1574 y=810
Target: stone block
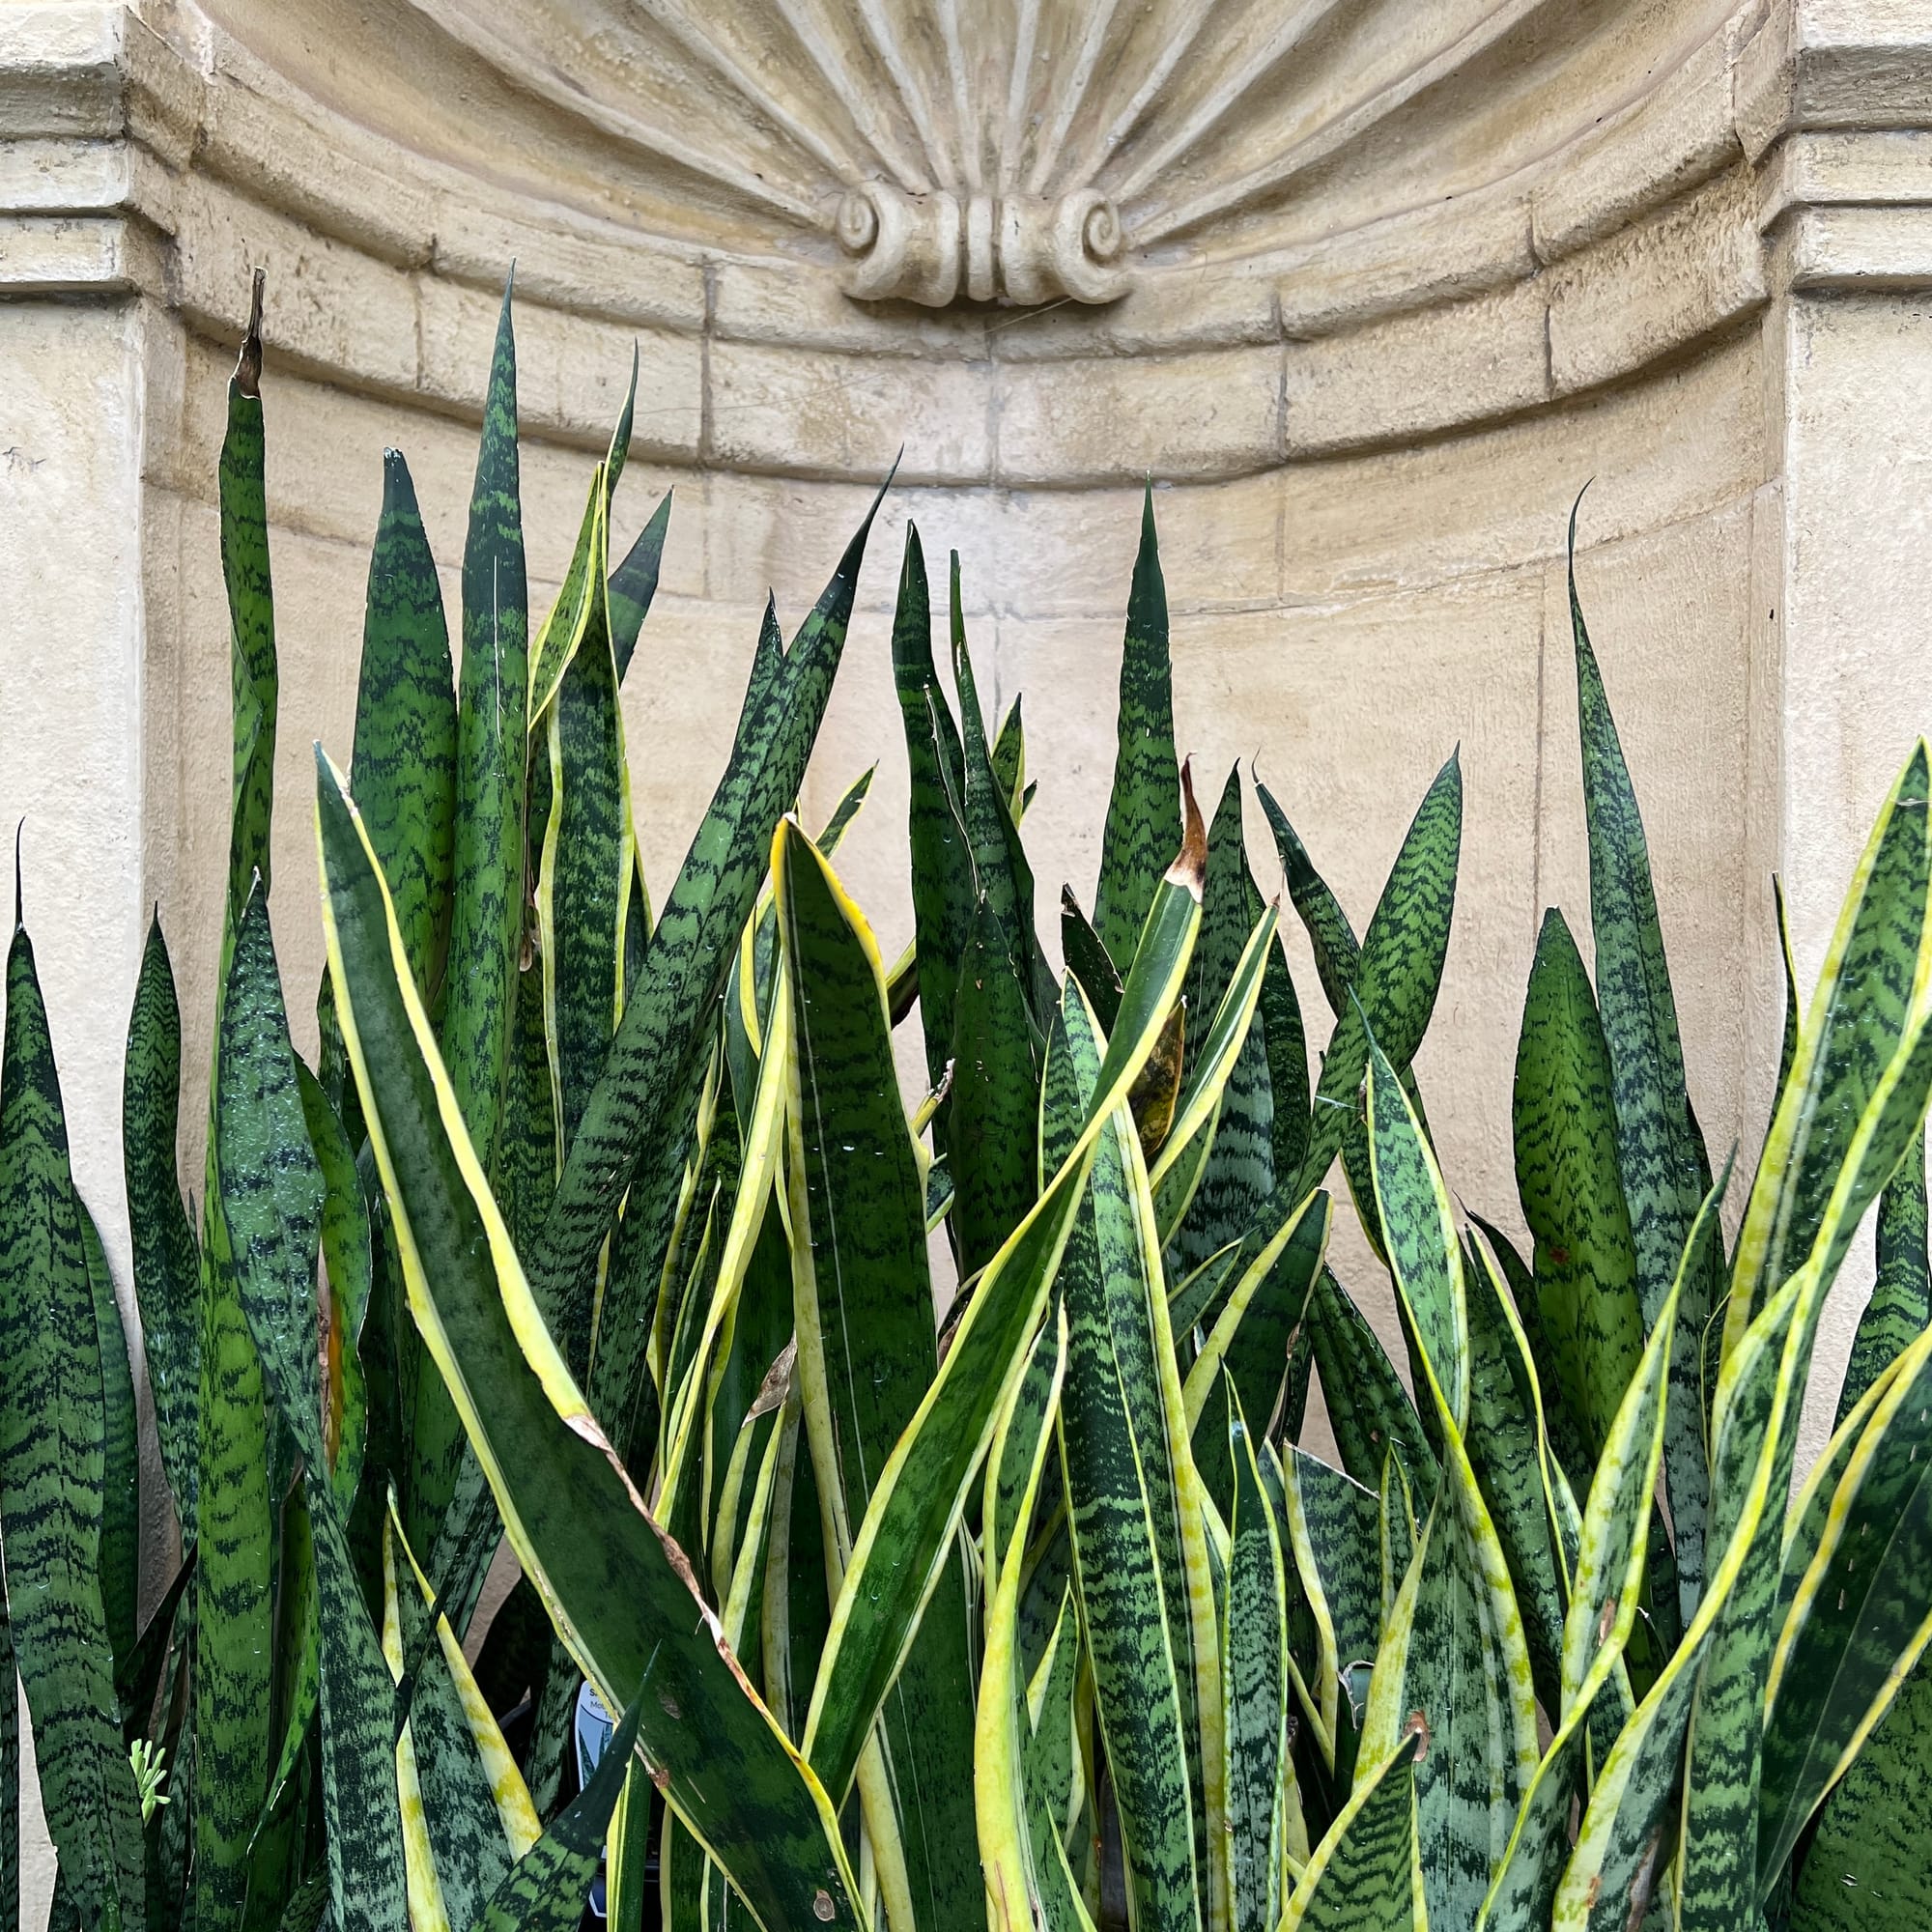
x=1213 y=412
x=328 y=306
x=1416 y=374
x=1694 y=268
x=1676 y=136
x=814 y=413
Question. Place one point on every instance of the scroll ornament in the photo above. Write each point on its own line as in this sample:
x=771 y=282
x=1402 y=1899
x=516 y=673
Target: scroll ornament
x=935 y=249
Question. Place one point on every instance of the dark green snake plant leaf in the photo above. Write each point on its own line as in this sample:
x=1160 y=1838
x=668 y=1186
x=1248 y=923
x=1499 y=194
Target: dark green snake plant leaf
x=167 y=1267
x=623 y=1595
x=1607 y=1588
x=404 y=764
x=1024 y=1892
x=1452 y=1648
x=1254 y=1330
x=694 y=942
x=1144 y=818
x=1859 y=1618
x=1901 y=1298
x=942 y=888
x=1379 y=1414
x=1088 y=960
x=1399 y=971
x=634 y=585
x=583 y=890
x=1263 y=1809
x=242 y=493
x=545 y=1890
x=1238 y=1174
x=866 y=1353
x=487 y=879
x=1572 y=1197
x=1660 y=1150
x=1877 y=1065
x=1366 y=1874
x=51 y=1470
x=119 y=1561
x=1857 y=1016
x=1337 y=950
x=1334 y=1535
x=993 y=1111
x=270 y=1212
x=899 y=1552
x=1136 y=1534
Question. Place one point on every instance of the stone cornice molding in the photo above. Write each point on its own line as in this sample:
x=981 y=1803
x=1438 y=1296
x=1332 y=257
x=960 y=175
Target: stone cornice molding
x=1788 y=148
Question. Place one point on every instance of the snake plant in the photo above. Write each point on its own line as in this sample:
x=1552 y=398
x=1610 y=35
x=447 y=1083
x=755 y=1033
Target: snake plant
x=999 y=1593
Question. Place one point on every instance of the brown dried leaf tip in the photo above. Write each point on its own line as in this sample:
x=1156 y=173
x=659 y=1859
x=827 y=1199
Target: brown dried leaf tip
x=1190 y=865
x=248 y=365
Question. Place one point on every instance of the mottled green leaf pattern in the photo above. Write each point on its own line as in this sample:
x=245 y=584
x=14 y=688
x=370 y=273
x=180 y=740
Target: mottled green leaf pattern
x=1143 y=828
x=404 y=768
x=51 y=1472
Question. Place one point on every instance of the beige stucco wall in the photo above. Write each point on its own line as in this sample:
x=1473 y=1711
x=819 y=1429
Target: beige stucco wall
x=1378 y=332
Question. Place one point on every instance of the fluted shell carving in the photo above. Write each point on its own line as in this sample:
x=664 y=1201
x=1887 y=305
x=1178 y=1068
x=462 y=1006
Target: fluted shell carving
x=951 y=151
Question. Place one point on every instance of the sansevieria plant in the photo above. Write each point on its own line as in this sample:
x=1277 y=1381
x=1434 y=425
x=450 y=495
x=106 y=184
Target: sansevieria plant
x=602 y=1224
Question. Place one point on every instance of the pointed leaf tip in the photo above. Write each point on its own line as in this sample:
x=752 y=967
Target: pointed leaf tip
x=249 y=364
x=19 y=912
x=1190 y=865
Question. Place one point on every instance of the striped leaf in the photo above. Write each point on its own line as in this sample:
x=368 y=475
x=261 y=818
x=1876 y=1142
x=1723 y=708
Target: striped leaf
x=404 y=766
x=1866 y=1869
x=1859 y=1014
x=1901 y=1298
x=942 y=894
x=545 y=1890
x=1023 y=1892
x=634 y=585
x=1660 y=1150
x=1573 y=1196
x=235 y=1547
x=51 y=1474
x=1527 y=1497
x=992 y=1115
x=1284 y=1044
x=476 y=1812
x=1366 y=1874
x=1860 y=1616
x=1144 y=820
x=620 y=1593
x=1378 y=1414
x=270 y=1211
x=900 y=1548
x=242 y=495
x=866 y=1353
x=1126 y=1508
x=1239 y=1175
x=118 y=1562
x=1088 y=960
x=1607 y=1588
x=583 y=890
x=1187 y=1151
x=1254 y=1333
x=665 y=1019
x=1454 y=1648
x=1334 y=1536
x=1332 y=939
x=167 y=1267
x=1621 y=1850
x=487 y=878
x=1256 y=1687
x=1399 y=971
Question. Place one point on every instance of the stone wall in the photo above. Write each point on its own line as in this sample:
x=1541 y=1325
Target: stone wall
x=1387 y=286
